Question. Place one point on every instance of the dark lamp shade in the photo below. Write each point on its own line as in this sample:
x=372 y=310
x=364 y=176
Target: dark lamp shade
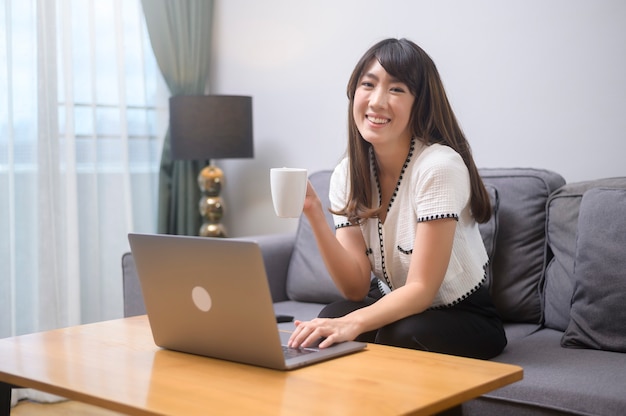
x=211 y=127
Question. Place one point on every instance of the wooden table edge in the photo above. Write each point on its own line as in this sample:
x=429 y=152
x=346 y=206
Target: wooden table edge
x=516 y=374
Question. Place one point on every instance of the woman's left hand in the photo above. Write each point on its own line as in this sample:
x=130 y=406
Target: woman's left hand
x=331 y=330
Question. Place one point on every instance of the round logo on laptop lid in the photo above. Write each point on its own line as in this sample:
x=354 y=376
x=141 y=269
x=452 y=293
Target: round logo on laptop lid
x=201 y=298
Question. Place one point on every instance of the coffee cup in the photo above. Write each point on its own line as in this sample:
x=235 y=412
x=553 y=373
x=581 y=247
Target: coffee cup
x=288 y=191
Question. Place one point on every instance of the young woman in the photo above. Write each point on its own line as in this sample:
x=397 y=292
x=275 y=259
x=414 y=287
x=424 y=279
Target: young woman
x=406 y=202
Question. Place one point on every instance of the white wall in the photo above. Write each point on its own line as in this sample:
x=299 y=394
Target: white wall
x=534 y=83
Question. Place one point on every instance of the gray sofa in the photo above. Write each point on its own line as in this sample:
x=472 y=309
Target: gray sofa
x=557 y=276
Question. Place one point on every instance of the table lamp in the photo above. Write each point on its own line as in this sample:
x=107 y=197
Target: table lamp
x=206 y=127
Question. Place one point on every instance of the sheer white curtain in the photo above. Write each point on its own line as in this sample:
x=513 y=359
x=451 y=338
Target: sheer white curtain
x=83 y=109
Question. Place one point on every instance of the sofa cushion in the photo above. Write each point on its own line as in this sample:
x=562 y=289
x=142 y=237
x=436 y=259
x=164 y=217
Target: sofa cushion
x=518 y=263
x=597 y=314
x=558 y=380
x=307 y=277
x=557 y=286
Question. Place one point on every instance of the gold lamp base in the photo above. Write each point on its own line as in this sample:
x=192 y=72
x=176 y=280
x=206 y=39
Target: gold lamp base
x=210 y=181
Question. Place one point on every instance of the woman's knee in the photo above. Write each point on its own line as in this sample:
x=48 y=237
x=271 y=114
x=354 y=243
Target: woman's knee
x=436 y=335
x=404 y=334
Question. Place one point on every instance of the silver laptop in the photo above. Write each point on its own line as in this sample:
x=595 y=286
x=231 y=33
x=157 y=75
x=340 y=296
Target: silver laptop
x=210 y=296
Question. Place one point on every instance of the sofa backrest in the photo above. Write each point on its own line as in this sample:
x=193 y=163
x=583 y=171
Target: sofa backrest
x=307 y=277
x=514 y=238
x=520 y=249
x=557 y=287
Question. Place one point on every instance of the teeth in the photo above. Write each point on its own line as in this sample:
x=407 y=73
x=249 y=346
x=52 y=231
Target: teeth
x=378 y=120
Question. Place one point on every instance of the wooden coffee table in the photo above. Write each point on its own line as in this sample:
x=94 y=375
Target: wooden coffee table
x=115 y=365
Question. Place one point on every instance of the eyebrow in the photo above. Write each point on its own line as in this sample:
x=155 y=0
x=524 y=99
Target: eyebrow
x=373 y=76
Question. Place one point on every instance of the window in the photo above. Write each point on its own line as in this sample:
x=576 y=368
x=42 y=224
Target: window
x=83 y=110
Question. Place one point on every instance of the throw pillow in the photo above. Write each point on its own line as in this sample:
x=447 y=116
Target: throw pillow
x=597 y=313
x=520 y=251
x=557 y=285
x=307 y=278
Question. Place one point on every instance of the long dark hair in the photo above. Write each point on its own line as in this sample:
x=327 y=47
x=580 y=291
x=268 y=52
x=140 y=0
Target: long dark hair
x=432 y=121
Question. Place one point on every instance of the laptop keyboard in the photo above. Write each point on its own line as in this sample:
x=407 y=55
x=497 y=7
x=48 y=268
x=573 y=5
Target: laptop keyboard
x=296 y=352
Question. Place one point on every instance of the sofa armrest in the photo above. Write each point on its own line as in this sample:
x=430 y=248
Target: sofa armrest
x=276 y=250
x=133 y=299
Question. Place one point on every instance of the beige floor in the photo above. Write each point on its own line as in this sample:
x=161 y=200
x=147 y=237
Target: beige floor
x=26 y=408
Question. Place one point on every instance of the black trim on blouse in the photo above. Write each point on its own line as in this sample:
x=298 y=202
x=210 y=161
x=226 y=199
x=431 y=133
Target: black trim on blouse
x=438 y=217
x=391 y=201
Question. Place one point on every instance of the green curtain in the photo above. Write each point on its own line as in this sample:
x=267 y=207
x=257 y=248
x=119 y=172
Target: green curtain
x=180 y=34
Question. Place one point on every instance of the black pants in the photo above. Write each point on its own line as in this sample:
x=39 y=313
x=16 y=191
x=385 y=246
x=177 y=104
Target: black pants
x=472 y=328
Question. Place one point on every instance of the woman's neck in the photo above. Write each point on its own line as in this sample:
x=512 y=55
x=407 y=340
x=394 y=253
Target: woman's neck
x=389 y=164
x=390 y=159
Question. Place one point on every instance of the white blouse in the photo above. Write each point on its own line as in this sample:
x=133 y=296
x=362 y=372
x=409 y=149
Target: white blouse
x=434 y=184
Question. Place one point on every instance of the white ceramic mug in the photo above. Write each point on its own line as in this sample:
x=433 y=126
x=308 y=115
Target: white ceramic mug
x=288 y=191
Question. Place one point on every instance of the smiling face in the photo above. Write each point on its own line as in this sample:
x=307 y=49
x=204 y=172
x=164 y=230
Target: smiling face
x=382 y=107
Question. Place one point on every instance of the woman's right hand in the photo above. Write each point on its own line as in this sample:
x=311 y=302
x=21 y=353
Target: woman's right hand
x=312 y=202
x=342 y=250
